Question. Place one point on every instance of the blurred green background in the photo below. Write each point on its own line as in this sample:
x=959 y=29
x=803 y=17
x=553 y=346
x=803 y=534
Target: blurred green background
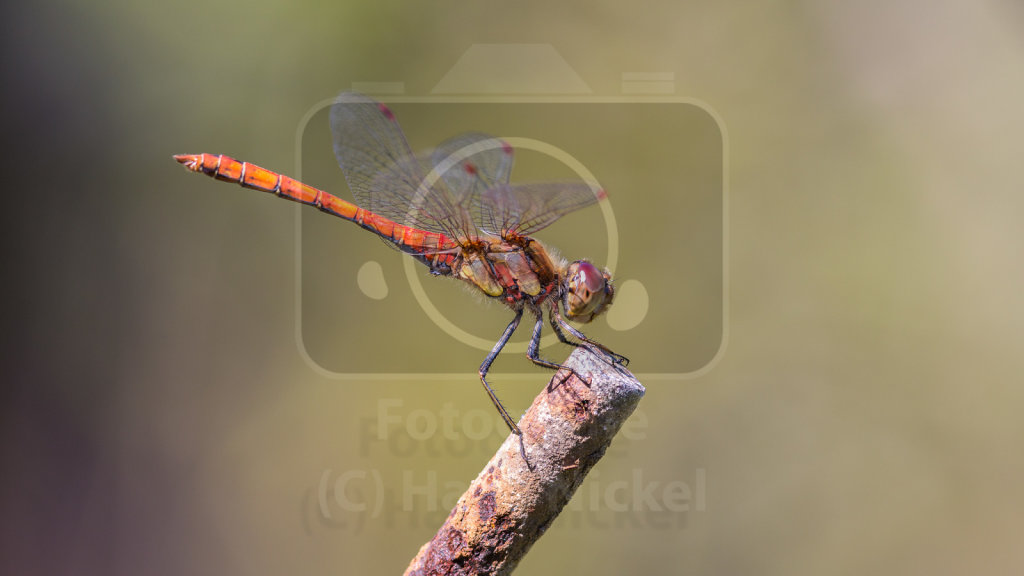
x=159 y=418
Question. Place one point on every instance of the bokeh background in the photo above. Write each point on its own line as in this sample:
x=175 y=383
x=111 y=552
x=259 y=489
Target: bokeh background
x=158 y=416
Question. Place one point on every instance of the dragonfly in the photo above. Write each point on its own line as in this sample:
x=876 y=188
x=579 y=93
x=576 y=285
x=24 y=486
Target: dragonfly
x=455 y=210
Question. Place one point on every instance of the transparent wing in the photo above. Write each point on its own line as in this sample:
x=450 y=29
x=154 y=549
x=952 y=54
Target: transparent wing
x=460 y=189
x=384 y=175
x=474 y=162
x=527 y=208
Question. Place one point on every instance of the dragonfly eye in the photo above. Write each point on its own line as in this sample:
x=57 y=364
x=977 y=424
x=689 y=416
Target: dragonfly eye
x=588 y=291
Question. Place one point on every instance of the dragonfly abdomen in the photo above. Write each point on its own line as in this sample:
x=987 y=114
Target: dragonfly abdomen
x=432 y=248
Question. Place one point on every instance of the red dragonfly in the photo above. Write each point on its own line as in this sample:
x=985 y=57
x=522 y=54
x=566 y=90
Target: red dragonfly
x=454 y=210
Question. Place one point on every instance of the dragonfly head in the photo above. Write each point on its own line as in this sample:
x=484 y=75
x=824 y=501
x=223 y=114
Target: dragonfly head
x=588 y=291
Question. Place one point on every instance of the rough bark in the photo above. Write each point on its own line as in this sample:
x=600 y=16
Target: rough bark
x=512 y=502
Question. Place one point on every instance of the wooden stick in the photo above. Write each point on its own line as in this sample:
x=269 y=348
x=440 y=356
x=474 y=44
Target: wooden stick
x=511 y=504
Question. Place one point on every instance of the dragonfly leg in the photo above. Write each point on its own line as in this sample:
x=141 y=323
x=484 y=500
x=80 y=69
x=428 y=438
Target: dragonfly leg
x=558 y=332
x=509 y=330
x=616 y=358
x=532 y=351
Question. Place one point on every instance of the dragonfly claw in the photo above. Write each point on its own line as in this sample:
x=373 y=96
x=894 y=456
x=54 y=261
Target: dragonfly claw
x=617 y=359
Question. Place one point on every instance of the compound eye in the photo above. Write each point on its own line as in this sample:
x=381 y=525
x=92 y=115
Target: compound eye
x=590 y=277
x=588 y=292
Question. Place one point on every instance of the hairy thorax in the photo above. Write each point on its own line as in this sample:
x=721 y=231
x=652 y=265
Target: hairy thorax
x=514 y=268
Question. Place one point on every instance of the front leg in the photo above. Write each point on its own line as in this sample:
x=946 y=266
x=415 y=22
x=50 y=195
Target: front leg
x=533 y=350
x=558 y=332
x=618 y=359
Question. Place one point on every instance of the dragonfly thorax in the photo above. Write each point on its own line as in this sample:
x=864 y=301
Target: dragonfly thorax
x=588 y=291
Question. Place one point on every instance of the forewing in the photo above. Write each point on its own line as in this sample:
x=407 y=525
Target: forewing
x=472 y=163
x=382 y=172
x=529 y=207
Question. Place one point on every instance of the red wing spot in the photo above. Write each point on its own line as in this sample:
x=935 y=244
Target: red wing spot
x=386 y=112
x=469 y=168
x=602 y=194
x=506 y=148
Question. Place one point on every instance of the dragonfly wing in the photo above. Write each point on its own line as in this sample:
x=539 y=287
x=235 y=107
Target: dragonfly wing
x=474 y=162
x=382 y=172
x=529 y=207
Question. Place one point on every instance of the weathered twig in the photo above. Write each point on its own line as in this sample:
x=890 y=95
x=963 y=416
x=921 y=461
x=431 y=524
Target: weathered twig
x=510 y=504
